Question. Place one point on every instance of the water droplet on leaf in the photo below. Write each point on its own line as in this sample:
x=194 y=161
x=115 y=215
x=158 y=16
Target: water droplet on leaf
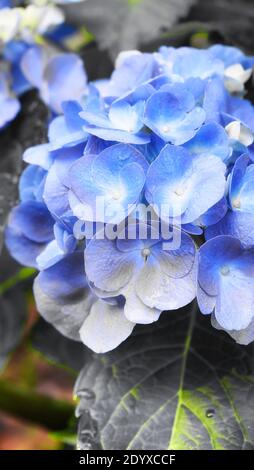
x=210 y=413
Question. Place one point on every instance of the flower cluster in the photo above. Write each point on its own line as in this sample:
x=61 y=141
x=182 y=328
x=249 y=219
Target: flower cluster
x=28 y=61
x=142 y=199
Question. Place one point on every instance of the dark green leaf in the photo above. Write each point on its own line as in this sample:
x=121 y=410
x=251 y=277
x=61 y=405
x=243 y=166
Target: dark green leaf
x=177 y=384
x=57 y=348
x=232 y=18
x=12 y=318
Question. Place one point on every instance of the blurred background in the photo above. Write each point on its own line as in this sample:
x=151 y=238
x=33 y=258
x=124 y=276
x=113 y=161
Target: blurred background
x=38 y=365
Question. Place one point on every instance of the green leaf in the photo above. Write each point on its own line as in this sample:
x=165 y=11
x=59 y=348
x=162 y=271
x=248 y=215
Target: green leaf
x=176 y=384
x=125 y=24
x=22 y=275
x=57 y=348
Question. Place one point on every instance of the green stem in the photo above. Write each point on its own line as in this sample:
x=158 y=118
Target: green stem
x=186 y=29
x=31 y=406
x=21 y=275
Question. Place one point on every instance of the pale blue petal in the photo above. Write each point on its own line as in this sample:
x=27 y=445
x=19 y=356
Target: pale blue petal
x=51 y=255
x=39 y=155
x=214 y=255
x=107 y=267
x=237 y=224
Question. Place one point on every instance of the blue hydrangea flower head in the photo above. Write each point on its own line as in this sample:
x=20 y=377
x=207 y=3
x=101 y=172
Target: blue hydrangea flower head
x=142 y=197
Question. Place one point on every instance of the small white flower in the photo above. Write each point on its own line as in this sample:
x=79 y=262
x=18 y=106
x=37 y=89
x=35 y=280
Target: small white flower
x=235 y=77
x=9 y=23
x=237 y=131
x=26 y=22
x=40 y=19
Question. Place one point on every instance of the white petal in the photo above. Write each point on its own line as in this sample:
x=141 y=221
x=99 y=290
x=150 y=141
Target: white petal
x=66 y=318
x=238 y=131
x=105 y=327
x=243 y=337
x=157 y=290
x=49 y=256
x=135 y=310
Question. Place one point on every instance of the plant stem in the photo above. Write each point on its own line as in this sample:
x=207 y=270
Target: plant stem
x=21 y=275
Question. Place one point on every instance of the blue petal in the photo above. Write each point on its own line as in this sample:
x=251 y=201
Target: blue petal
x=214 y=255
x=237 y=175
x=152 y=149
x=184 y=184
x=34 y=221
x=56 y=194
x=71 y=111
x=134 y=71
x=107 y=267
x=190 y=62
x=64 y=237
x=64 y=279
x=118 y=135
x=57 y=181
x=214 y=214
x=9 y=109
x=241 y=109
x=211 y=139
x=60 y=135
x=117 y=175
x=31 y=183
x=237 y=224
x=228 y=54
x=21 y=248
x=32 y=65
x=206 y=302
x=192 y=229
x=241 y=188
x=165 y=116
x=64 y=158
x=65 y=79
x=215 y=99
